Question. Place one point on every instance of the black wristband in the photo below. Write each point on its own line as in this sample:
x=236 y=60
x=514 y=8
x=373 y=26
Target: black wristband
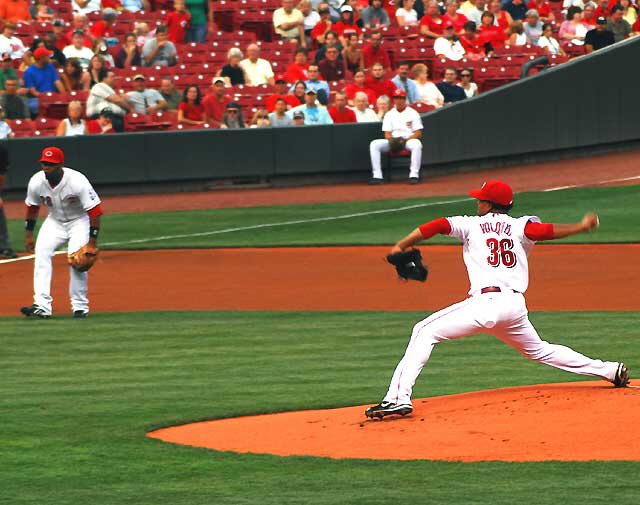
x=93 y=232
x=29 y=224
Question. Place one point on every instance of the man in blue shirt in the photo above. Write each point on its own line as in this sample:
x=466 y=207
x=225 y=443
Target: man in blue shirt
x=320 y=87
x=403 y=82
x=448 y=87
x=40 y=78
x=313 y=113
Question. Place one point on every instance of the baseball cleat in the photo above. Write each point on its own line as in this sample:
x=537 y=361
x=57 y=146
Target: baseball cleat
x=80 y=314
x=35 y=311
x=622 y=376
x=388 y=409
x=7 y=254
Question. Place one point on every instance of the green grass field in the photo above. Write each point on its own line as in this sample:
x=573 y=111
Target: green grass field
x=78 y=396
x=617 y=206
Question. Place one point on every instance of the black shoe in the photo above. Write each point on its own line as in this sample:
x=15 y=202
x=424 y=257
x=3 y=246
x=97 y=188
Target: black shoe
x=622 y=376
x=7 y=254
x=388 y=409
x=414 y=180
x=374 y=181
x=35 y=311
x=80 y=314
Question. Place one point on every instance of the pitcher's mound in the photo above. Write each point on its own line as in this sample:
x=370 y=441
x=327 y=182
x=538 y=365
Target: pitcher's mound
x=569 y=422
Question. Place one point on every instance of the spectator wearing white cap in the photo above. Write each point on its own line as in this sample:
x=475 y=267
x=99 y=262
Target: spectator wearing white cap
x=257 y=70
x=347 y=24
x=143 y=99
x=314 y=114
x=400 y=122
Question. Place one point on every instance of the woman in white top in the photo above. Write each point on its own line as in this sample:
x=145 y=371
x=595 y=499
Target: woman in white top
x=470 y=88
x=73 y=124
x=406 y=15
x=383 y=104
x=428 y=92
x=517 y=37
x=548 y=42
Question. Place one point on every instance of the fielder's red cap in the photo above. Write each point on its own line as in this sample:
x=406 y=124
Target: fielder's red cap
x=52 y=155
x=399 y=93
x=494 y=191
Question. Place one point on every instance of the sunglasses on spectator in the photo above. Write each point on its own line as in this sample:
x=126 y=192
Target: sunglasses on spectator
x=263 y=117
x=465 y=75
x=232 y=111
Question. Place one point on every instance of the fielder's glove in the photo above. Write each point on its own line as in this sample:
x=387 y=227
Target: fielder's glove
x=396 y=144
x=409 y=265
x=84 y=258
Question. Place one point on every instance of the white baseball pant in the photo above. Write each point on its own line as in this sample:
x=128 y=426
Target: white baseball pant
x=504 y=315
x=379 y=146
x=51 y=236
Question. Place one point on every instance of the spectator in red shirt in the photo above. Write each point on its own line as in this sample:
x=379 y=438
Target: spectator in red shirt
x=324 y=25
x=378 y=83
x=473 y=45
x=452 y=16
x=431 y=23
x=79 y=23
x=14 y=10
x=177 y=22
x=490 y=33
x=502 y=18
x=281 y=92
x=57 y=32
x=375 y=53
x=331 y=68
x=544 y=10
x=358 y=84
x=297 y=71
x=602 y=10
x=347 y=24
x=588 y=16
x=191 y=111
x=215 y=102
x=104 y=27
x=340 y=113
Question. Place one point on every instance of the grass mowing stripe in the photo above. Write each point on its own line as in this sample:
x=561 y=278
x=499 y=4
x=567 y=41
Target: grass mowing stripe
x=77 y=397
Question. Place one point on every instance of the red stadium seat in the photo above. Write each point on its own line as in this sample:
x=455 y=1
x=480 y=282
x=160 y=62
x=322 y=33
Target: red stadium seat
x=45 y=127
x=21 y=127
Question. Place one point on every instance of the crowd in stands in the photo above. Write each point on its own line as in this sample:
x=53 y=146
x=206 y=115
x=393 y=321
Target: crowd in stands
x=73 y=67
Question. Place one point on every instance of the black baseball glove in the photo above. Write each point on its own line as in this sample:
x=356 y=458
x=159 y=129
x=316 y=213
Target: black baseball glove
x=396 y=144
x=409 y=265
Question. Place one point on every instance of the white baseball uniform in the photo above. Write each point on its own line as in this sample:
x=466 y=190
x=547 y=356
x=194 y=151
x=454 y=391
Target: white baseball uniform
x=67 y=221
x=495 y=254
x=399 y=124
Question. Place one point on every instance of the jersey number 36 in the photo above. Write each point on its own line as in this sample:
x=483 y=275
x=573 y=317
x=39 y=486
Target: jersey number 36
x=500 y=251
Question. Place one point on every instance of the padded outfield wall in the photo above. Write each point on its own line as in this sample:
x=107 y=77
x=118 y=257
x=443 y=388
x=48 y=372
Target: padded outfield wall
x=591 y=101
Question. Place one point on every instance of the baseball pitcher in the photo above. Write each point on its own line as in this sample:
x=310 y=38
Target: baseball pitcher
x=496 y=247
x=74 y=217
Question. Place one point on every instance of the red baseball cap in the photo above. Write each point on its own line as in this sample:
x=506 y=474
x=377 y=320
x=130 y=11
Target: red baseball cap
x=399 y=93
x=52 y=155
x=494 y=191
x=280 y=77
x=41 y=52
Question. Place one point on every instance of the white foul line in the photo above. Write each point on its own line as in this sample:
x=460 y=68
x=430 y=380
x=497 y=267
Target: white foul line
x=263 y=225
x=606 y=181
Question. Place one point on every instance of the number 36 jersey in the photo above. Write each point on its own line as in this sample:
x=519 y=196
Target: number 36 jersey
x=496 y=250
x=72 y=197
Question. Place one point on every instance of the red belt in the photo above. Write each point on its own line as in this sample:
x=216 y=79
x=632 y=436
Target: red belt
x=494 y=289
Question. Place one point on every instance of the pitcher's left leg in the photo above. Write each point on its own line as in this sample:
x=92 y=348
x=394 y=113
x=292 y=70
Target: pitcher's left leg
x=522 y=336
x=78 y=281
x=415 y=146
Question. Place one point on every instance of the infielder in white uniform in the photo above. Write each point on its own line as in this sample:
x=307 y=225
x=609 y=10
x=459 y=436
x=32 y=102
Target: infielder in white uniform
x=74 y=217
x=400 y=122
x=496 y=247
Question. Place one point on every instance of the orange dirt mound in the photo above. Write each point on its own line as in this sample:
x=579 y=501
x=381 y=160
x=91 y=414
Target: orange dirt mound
x=568 y=422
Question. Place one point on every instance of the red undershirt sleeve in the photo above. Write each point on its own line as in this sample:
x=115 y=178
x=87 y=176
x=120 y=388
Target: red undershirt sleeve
x=539 y=231
x=434 y=227
x=95 y=211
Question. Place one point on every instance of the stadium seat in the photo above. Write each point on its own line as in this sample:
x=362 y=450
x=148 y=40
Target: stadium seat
x=21 y=127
